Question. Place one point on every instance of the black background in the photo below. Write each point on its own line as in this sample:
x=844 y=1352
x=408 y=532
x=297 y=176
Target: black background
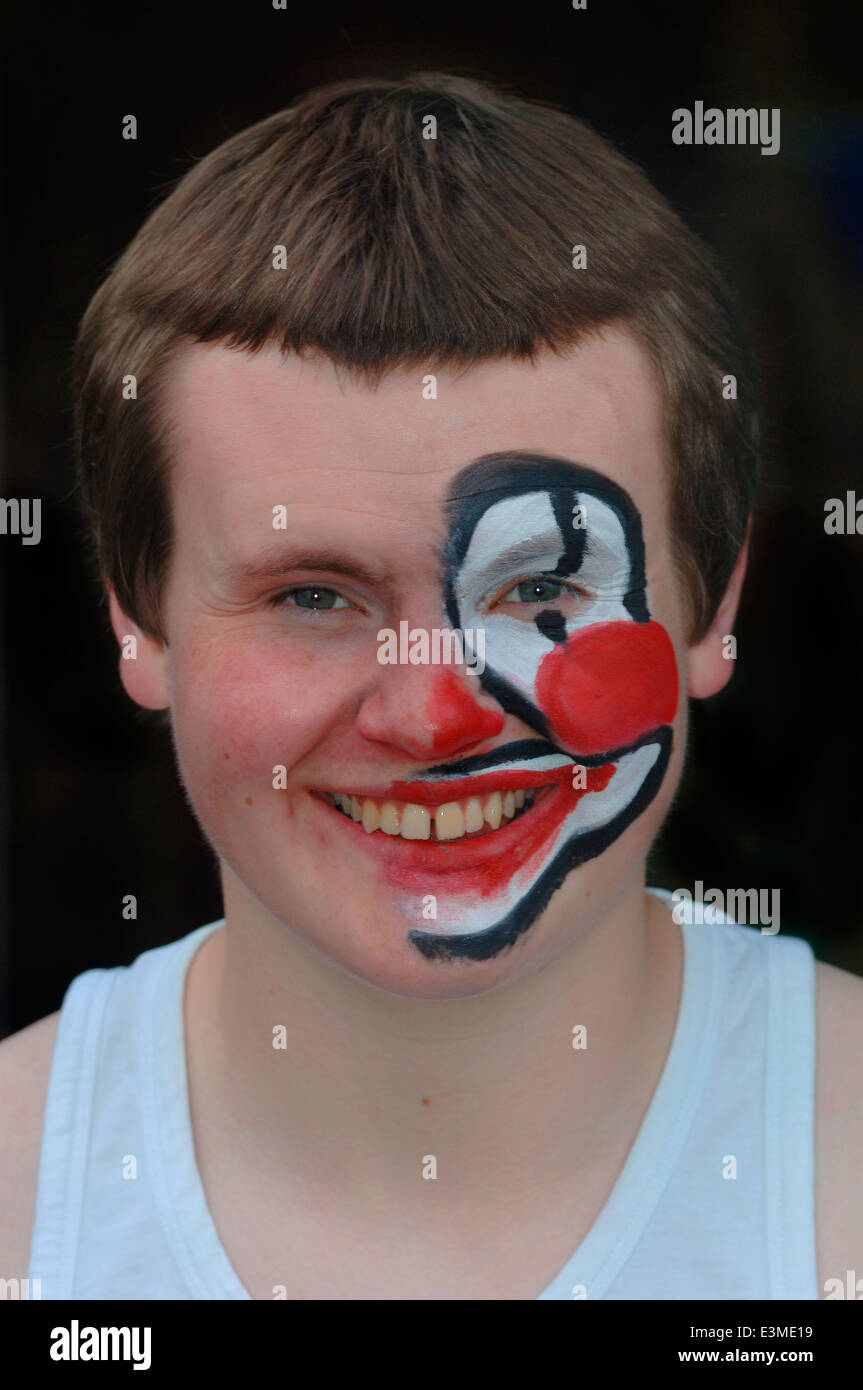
x=771 y=794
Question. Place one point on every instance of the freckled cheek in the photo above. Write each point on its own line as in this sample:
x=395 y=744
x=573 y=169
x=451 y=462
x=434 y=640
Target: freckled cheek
x=609 y=684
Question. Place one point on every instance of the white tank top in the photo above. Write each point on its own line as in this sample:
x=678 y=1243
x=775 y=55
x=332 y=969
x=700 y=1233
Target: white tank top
x=715 y=1199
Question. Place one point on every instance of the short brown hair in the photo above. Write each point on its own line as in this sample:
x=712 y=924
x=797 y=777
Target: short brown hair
x=404 y=250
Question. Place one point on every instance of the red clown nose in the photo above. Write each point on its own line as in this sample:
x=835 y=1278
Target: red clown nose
x=455 y=717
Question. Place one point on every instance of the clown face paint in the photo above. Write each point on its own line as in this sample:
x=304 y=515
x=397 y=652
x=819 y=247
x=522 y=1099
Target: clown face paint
x=590 y=672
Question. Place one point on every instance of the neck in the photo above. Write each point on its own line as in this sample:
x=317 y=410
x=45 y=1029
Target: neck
x=369 y=1083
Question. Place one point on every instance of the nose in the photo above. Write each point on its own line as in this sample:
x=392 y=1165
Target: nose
x=428 y=714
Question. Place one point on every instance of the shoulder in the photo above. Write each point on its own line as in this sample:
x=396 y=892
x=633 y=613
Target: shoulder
x=25 y=1066
x=838 y=1122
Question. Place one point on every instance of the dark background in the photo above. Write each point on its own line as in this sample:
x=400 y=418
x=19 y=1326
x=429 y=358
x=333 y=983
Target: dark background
x=771 y=796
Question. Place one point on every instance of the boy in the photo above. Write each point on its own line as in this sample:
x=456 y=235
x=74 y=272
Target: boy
x=426 y=515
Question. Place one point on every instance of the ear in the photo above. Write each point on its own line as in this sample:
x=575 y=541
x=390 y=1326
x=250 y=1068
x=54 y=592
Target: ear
x=710 y=669
x=143 y=660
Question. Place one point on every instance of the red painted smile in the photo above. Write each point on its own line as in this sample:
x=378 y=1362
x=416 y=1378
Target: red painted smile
x=453 y=853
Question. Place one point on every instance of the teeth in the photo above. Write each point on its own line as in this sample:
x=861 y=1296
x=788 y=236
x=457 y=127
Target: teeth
x=452 y=820
x=416 y=822
x=449 y=821
x=493 y=810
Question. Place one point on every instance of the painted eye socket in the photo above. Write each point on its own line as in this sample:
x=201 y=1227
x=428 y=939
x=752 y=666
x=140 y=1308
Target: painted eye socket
x=311 y=596
x=537 y=589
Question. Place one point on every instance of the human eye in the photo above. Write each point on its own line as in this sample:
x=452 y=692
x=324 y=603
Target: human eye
x=537 y=590
x=313 y=598
x=534 y=590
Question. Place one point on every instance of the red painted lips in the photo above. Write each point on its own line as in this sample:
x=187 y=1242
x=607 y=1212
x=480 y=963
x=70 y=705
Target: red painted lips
x=484 y=864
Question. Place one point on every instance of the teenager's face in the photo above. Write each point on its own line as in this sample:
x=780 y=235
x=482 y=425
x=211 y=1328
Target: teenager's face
x=434 y=830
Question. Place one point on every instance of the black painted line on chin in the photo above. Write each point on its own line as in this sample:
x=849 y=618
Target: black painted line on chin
x=484 y=945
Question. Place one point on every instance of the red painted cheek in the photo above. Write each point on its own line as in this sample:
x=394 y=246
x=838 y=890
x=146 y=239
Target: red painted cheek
x=455 y=717
x=608 y=685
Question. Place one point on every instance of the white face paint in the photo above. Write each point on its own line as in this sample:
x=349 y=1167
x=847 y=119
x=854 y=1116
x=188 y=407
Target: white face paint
x=595 y=811
x=587 y=671
x=520 y=537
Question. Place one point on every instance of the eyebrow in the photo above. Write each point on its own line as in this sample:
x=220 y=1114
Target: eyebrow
x=528 y=552
x=279 y=559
